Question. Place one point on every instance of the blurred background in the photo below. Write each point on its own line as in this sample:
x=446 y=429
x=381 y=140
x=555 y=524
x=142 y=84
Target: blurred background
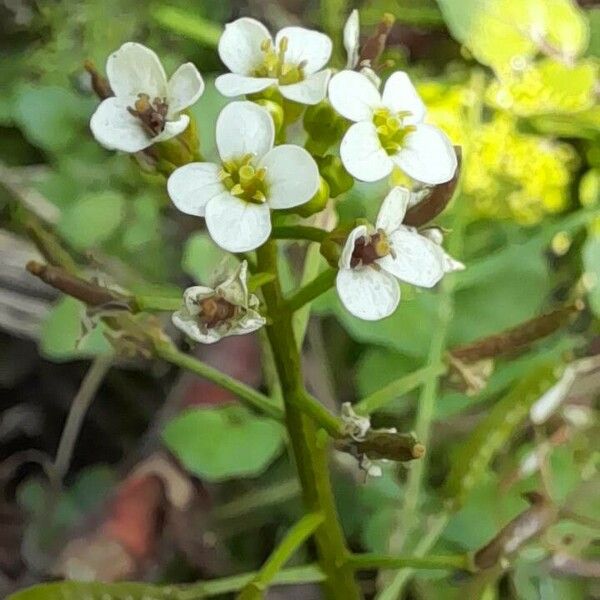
x=130 y=492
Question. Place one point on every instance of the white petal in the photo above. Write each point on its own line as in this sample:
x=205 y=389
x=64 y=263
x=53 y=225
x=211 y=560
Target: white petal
x=368 y=294
x=392 y=211
x=400 y=94
x=292 y=176
x=353 y=96
x=311 y=90
x=451 y=264
x=249 y=322
x=239 y=45
x=235 y=225
x=232 y=84
x=190 y=327
x=427 y=156
x=134 y=69
x=191 y=187
x=305 y=45
x=371 y=75
x=172 y=128
x=418 y=260
x=348 y=250
x=244 y=128
x=116 y=129
x=352 y=39
x=193 y=295
x=184 y=88
x=362 y=153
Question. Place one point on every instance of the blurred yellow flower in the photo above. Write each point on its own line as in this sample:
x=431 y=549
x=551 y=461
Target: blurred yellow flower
x=506 y=173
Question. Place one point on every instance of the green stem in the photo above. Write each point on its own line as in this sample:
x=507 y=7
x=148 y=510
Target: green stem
x=319 y=285
x=310 y=270
x=390 y=561
x=426 y=405
x=310 y=453
x=79 y=407
x=158 y=303
x=217 y=587
x=298 y=232
x=394 y=590
x=403 y=385
x=249 y=395
x=294 y=538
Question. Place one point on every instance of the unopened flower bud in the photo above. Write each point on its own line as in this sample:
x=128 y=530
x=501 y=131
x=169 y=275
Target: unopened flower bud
x=276 y=112
x=333 y=172
x=324 y=126
x=317 y=203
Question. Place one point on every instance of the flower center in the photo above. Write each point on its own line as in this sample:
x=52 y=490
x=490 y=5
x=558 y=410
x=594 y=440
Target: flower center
x=153 y=115
x=244 y=181
x=275 y=66
x=214 y=311
x=391 y=129
x=368 y=249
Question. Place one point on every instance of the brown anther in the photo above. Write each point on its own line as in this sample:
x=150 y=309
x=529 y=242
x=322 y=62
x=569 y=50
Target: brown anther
x=153 y=115
x=368 y=249
x=214 y=311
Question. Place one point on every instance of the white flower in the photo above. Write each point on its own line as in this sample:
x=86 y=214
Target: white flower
x=372 y=261
x=229 y=309
x=293 y=63
x=352 y=39
x=388 y=130
x=145 y=108
x=235 y=197
x=352 y=46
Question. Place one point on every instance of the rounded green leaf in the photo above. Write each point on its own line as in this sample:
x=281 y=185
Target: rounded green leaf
x=92 y=219
x=222 y=443
x=64 y=337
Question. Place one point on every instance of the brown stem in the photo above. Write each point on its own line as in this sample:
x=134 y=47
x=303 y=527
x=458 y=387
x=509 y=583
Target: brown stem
x=100 y=84
x=529 y=524
x=90 y=293
x=399 y=447
x=518 y=337
x=437 y=200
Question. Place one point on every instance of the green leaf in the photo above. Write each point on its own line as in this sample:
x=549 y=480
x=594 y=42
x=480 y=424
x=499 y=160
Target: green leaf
x=591 y=263
x=222 y=443
x=189 y=24
x=50 y=117
x=70 y=590
x=472 y=458
x=483 y=513
x=460 y=15
x=407 y=331
x=92 y=219
x=594 y=21
x=498 y=32
x=202 y=258
x=75 y=590
x=206 y=111
x=63 y=336
x=378 y=367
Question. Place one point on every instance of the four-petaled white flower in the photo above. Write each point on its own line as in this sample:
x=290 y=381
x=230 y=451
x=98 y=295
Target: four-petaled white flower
x=352 y=45
x=389 y=131
x=373 y=260
x=145 y=108
x=235 y=197
x=210 y=314
x=292 y=64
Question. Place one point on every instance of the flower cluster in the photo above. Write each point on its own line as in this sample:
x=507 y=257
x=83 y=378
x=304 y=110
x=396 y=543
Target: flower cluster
x=256 y=173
